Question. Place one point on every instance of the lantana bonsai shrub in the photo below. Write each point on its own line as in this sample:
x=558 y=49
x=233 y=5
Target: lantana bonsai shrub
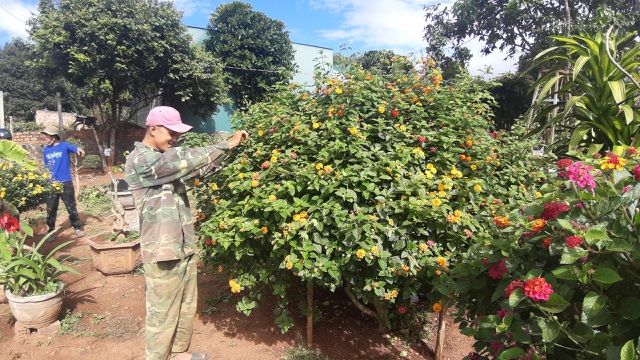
x=559 y=277
x=373 y=183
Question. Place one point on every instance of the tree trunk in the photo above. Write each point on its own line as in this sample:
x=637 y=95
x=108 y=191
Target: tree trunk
x=100 y=149
x=309 y=314
x=382 y=326
x=442 y=329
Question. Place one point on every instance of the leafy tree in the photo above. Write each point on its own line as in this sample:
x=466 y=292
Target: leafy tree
x=255 y=49
x=126 y=54
x=519 y=26
x=27 y=89
x=511 y=92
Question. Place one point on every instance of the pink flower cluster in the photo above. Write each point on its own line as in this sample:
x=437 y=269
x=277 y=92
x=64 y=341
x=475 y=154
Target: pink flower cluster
x=536 y=288
x=580 y=174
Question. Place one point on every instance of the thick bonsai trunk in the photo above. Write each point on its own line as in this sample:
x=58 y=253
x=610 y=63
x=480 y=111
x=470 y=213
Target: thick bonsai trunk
x=379 y=314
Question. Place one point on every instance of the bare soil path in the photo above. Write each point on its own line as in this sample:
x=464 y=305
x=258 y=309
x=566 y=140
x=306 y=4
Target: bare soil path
x=105 y=316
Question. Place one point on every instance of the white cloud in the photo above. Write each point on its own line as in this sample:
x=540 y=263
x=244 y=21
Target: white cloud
x=396 y=25
x=14 y=14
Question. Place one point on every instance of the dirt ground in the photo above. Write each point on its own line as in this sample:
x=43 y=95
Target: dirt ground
x=105 y=316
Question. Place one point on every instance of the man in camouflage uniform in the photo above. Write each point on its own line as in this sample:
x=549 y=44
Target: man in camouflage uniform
x=155 y=172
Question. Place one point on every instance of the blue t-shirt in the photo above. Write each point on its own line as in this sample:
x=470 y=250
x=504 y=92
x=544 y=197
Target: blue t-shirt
x=56 y=157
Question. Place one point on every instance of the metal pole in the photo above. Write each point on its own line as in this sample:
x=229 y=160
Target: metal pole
x=2 y=109
x=60 y=120
x=11 y=124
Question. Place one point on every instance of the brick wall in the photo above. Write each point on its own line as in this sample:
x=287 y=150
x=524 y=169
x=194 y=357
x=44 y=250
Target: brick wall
x=125 y=138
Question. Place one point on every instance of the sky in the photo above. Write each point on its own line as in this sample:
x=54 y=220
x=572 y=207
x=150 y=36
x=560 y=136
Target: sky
x=361 y=25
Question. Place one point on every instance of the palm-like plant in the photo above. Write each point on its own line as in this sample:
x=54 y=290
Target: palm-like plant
x=600 y=88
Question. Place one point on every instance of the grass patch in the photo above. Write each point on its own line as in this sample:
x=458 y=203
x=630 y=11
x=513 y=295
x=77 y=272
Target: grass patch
x=95 y=200
x=301 y=353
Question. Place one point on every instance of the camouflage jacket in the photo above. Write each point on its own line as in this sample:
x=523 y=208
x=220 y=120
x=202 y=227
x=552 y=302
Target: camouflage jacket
x=156 y=181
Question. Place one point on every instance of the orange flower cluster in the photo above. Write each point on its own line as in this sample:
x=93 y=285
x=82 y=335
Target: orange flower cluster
x=539 y=224
x=501 y=221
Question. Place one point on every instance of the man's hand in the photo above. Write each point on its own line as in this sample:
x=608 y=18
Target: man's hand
x=236 y=138
x=80 y=152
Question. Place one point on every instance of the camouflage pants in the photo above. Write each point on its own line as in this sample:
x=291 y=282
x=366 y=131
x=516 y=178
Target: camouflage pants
x=172 y=297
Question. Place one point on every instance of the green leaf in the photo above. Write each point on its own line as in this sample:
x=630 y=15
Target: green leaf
x=630 y=308
x=566 y=272
x=515 y=298
x=594 y=310
x=606 y=276
x=550 y=329
x=581 y=333
x=555 y=304
x=628 y=351
x=512 y=353
x=569 y=255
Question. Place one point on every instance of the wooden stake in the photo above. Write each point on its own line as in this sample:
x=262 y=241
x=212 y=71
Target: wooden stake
x=309 y=314
x=442 y=326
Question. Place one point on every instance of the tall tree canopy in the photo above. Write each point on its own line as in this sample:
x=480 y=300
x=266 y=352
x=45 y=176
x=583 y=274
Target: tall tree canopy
x=255 y=49
x=27 y=89
x=126 y=53
x=522 y=26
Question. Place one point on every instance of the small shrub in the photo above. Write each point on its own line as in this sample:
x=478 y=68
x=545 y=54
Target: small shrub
x=25 y=189
x=27 y=126
x=95 y=199
x=301 y=353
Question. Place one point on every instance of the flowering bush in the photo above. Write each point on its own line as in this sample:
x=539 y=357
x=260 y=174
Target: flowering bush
x=559 y=280
x=372 y=183
x=22 y=184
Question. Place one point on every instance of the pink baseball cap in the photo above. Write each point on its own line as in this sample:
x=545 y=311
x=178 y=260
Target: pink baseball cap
x=168 y=117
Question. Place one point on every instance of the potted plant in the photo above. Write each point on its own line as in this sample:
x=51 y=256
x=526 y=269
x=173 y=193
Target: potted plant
x=30 y=278
x=115 y=253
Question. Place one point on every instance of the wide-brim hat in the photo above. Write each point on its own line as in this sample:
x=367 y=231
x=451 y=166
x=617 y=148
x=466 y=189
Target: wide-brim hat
x=168 y=117
x=51 y=131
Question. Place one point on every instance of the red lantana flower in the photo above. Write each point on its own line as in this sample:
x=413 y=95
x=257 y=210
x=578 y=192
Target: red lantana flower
x=516 y=284
x=573 y=241
x=537 y=289
x=402 y=309
x=546 y=243
x=498 y=270
x=552 y=210
x=394 y=112
x=9 y=223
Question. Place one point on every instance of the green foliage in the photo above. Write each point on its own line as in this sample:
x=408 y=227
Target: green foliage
x=71 y=323
x=27 y=89
x=194 y=140
x=255 y=49
x=522 y=27
x=512 y=97
x=580 y=238
x=373 y=184
x=302 y=353
x=23 y=184
x=20 y=126
x=95 y=199
x=601 y=94
x=123 y=237
x=25 y=270
x=125 y=53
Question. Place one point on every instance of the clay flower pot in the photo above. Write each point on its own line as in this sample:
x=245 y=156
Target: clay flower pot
x=36 y=311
